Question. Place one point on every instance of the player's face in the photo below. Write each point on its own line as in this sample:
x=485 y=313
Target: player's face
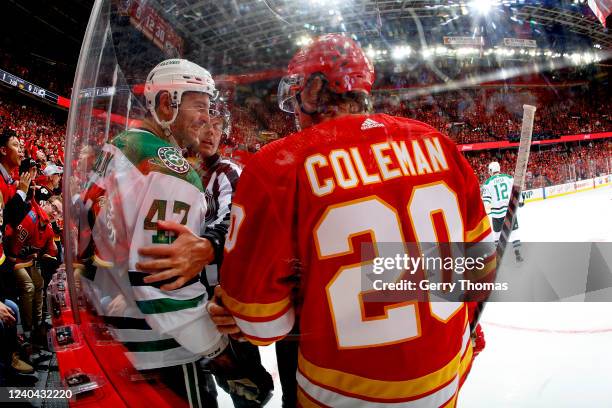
x=193 y=115
x=309 y=100
x=210 y=137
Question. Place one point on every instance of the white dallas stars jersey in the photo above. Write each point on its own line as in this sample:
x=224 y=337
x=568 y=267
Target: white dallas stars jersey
x=138 y=180
x=496 y=192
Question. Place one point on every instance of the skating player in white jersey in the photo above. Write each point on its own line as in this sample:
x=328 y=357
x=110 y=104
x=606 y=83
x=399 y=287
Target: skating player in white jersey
x=496 y=195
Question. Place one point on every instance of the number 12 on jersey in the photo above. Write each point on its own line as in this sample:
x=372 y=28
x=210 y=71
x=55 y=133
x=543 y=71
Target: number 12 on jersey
x=502 y=191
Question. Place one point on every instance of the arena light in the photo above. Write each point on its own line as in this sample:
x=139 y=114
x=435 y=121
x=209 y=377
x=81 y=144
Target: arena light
x=400 y=52
x=482 y=7
x=327 y=4
x=323 y=2
x=375 y=54
x=588 y=58
x=427 y=53
x=303 y=41
x=370 y=52
x=441 y=50
x=466 y=51
x=576 y=58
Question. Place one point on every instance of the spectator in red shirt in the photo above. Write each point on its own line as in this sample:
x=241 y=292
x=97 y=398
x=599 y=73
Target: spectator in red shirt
x=25 y=241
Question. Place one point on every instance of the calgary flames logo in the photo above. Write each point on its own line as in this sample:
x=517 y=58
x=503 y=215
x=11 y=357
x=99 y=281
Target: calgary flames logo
x=173 y=159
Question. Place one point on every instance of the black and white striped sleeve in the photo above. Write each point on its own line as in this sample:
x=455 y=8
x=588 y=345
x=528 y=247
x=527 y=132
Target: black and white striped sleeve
x=219 y=192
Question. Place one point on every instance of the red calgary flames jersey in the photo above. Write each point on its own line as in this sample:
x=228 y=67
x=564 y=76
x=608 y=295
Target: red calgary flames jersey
x=33 y=236
x=304 y=208
x=8 y=189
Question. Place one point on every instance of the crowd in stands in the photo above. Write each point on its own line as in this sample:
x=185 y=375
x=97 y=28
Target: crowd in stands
x=31 y=168
x=557 y=164
x=472 y=116
x=40 y=132
x=495 y=114
x=473 y=71
x=467 y=116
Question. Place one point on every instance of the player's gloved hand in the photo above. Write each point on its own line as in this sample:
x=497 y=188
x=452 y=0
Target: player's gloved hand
x=244 y=388
x=240 y=376
x=178 y=262
x=478 y=341
x=222 y=317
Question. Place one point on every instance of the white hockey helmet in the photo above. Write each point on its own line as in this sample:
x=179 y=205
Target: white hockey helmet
x=494 y=167
x=176 y=76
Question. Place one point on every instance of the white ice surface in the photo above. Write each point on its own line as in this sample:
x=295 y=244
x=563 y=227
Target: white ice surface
x=549 y=354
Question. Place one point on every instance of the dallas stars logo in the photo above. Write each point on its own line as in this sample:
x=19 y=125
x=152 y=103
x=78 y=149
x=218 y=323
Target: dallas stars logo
x=173 y=159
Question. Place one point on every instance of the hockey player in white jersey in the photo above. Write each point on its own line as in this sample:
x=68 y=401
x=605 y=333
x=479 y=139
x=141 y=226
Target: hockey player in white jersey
x=496 y=195
x=140 y=178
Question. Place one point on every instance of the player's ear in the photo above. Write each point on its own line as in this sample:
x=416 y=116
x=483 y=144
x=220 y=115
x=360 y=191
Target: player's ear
x=164 y=107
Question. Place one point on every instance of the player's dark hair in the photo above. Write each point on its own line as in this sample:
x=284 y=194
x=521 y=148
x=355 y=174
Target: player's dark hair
x=362 y=99
x=330 y=98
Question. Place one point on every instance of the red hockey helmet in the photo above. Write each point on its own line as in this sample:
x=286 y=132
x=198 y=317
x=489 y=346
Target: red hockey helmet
x=337 y=58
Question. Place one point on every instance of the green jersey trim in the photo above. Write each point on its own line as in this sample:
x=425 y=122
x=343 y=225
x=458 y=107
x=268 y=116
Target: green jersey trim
x=497 y=176
x=502 y=212
x=167 y=305
x=149 y=346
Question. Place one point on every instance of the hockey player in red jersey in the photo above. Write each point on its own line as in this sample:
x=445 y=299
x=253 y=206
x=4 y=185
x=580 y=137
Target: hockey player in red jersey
x=350 y=178
x=315 y=197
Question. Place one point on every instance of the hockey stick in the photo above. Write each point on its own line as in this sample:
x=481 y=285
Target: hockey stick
x=519 y=180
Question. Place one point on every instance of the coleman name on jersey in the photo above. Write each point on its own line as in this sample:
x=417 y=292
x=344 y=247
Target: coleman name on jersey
x=346 y=168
